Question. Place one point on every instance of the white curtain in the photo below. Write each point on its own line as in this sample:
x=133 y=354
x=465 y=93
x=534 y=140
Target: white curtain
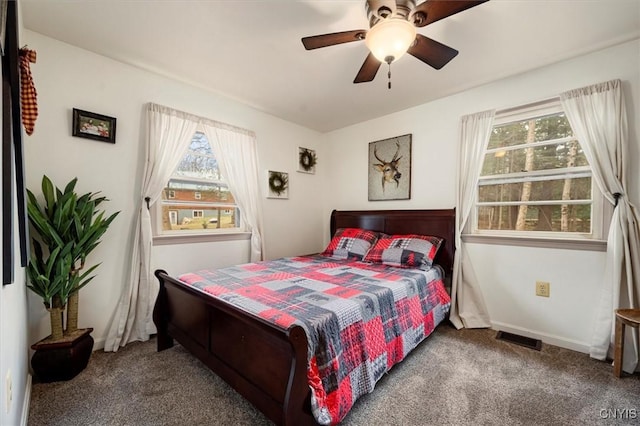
x=598 y=117
x=468 y=308
x=168 y=136
x=237 y=153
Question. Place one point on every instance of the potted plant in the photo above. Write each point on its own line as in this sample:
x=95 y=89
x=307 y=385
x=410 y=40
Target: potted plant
x=67 y=228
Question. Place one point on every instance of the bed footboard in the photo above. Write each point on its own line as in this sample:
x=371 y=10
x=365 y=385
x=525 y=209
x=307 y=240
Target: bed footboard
x=265 y=364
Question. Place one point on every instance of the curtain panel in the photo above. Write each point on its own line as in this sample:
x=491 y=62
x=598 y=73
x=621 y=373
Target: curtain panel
x=598 y=117
x=169 y=133
x=238 y=161
x=468 y=308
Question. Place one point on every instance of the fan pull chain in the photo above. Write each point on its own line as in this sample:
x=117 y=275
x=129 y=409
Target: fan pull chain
x=388 y=60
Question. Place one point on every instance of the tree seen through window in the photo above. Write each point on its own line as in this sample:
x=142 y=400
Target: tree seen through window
x=535 y=177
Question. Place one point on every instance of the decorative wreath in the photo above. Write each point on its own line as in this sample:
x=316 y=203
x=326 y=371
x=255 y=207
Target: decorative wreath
x=307 y=159
x=278 y=182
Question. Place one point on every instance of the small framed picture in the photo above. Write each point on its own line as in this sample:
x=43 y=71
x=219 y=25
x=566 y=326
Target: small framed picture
x=94 y=126
x=278 y=185
x=307 y=160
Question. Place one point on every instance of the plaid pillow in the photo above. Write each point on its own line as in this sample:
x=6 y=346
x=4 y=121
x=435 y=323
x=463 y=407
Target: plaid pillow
x=405 y=250
x=350 y=243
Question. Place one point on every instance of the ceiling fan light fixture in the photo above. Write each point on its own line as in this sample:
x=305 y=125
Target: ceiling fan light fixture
x=390 y=38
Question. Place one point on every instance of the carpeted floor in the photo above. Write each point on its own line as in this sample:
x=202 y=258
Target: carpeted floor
x=464 y=377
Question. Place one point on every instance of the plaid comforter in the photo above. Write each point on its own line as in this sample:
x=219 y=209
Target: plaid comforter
x=360 y=318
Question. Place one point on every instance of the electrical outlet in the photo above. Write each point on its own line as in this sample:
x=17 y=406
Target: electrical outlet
x=9 y=391
x=542 y=289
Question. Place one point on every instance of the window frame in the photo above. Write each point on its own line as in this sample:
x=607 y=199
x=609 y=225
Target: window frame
x=600 y=214
x=168 y=237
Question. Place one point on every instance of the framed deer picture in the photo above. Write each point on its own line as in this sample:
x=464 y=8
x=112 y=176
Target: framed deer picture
x=390 y=169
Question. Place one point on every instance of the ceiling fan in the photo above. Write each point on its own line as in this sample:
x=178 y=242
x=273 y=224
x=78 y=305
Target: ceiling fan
x=392 y=32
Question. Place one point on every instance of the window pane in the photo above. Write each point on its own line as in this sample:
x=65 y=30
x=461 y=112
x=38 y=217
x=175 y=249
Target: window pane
x=557 y=189
x=196 y=198
x=534 y=130
x=199 y=167
x=198 y=191
x=532 y=166
x=555 y=218
x=199 y=162
x=546 y=157
x=196 y=217
x=200 y=144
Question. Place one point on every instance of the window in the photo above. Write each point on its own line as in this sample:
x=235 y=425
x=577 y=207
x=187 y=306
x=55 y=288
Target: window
x=196 y=199
x=535 y=179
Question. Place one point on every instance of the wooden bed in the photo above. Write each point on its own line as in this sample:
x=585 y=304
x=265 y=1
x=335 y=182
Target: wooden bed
x=266 y=365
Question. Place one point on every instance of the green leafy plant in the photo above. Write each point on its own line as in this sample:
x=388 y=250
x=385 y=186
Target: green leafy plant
x=69 y=226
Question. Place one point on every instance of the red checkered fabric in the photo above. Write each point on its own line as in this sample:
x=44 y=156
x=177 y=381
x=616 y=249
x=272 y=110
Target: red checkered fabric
x=404 y=250
x=28 y=95
x=350 y=243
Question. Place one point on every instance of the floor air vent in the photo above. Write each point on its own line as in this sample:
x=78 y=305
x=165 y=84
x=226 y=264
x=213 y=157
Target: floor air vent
x=527 y=342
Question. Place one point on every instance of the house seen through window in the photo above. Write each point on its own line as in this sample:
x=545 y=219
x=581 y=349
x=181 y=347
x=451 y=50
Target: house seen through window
x=196 y=198
x=535 y=179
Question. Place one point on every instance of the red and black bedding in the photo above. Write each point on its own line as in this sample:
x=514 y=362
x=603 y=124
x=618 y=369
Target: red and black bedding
x=364 y=304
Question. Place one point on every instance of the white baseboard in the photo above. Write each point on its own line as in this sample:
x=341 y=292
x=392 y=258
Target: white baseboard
x=98 y=344
x=545 y=337
x=26 y=402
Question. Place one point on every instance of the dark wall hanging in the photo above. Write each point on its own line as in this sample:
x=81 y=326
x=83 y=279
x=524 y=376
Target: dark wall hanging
x=94 y=126
x=390 y=169
x=278 y=185
x=307 y=160
x=12 y=152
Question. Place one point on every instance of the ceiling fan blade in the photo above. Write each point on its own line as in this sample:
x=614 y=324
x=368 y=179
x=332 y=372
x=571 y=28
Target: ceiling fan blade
x=432 y=52
x=368 y=70
x=324 y=40
x=433 y=10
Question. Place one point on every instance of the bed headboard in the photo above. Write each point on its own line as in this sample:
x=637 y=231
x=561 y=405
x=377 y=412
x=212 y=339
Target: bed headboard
x=438 y=223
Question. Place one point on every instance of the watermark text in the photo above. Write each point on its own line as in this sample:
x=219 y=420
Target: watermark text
x=619 y=413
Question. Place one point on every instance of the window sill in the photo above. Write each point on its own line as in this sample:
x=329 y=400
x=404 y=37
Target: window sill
x=163 y=240
x=556 y=243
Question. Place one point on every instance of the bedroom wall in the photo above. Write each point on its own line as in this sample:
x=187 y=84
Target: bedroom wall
x=67 y=77
x=507 y=275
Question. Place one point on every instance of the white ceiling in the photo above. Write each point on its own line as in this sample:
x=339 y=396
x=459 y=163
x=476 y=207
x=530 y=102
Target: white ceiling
x=251 y=50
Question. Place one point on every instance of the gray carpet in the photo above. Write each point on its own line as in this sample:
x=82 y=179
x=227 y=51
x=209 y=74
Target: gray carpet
x=464 y=377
